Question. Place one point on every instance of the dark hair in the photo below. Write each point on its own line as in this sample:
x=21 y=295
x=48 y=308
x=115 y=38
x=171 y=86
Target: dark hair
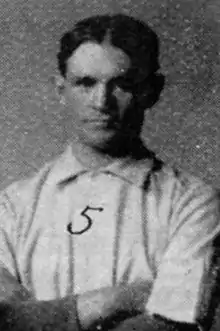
x=132 y=36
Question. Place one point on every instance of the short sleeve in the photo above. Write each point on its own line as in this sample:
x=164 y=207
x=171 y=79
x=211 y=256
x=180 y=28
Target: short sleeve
x=194 y=223
x=10 y=286
x=7 y=233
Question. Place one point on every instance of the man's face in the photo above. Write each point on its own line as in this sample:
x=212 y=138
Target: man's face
x=95 y=93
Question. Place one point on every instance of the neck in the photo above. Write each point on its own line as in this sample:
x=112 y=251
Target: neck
x=91 y=157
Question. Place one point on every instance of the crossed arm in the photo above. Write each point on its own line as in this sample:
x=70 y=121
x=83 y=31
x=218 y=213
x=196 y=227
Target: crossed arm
x=20 y=312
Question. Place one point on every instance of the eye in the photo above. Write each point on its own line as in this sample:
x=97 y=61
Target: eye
x=123 y=84
x=85 y=82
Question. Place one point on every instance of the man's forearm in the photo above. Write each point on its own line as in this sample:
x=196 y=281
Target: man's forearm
x=146 y=322
x=19 y=311
x=56 y=315
x=69 y=313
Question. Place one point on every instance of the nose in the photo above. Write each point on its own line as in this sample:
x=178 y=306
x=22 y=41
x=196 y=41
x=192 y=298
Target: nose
x=100 y=96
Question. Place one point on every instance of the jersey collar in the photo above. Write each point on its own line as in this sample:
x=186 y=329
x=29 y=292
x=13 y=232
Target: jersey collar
x=66 y=168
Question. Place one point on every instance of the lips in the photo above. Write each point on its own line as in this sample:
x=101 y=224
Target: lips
x=97 y=122
x=101 y=124
x=100 y=120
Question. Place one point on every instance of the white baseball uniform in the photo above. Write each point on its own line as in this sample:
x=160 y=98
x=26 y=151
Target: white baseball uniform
x=68 y=230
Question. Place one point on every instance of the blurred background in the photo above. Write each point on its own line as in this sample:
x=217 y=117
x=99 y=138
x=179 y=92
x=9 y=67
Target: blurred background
x=183 y=128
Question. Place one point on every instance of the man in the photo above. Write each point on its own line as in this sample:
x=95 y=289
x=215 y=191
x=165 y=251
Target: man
x=106 y=236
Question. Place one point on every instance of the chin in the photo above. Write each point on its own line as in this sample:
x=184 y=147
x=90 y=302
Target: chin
x=103 y=145
x=104 y=140
x=101 y=139
x=108 y=146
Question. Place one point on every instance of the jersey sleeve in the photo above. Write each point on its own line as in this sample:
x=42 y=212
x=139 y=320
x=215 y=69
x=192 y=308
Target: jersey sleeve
x=19 y=310
x=10 y=286
x=185 y=265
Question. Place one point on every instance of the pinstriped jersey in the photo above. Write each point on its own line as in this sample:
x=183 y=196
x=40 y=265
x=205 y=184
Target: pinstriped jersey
x=68 y=230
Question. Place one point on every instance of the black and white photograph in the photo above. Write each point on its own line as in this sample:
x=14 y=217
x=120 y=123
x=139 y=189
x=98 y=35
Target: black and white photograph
x=109 y=165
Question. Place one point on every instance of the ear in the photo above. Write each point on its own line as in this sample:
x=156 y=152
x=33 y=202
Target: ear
x=151 y=92
x=59 y=86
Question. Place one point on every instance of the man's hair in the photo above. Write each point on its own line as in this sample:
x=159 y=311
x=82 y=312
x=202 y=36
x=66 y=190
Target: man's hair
x=132 y=36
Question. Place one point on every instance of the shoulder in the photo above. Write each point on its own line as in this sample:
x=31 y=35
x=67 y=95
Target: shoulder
x=21 y=193
x=188 y=201
x=180 y=190
x=166 y=175
x=166 y=180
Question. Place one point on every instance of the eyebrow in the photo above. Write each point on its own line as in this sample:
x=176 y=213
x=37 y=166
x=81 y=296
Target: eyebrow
x=76 y=77
x=72 y=76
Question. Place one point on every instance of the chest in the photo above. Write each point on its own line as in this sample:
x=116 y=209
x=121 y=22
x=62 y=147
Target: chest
x=98 y=232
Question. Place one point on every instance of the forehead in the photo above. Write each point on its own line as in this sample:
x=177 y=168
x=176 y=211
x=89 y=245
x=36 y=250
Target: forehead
x=98 y=60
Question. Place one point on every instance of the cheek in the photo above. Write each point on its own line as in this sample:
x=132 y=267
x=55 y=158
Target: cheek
x=75 y=105
x=76 y=97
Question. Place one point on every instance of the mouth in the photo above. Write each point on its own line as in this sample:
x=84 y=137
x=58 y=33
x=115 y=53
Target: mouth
x=101 y=122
